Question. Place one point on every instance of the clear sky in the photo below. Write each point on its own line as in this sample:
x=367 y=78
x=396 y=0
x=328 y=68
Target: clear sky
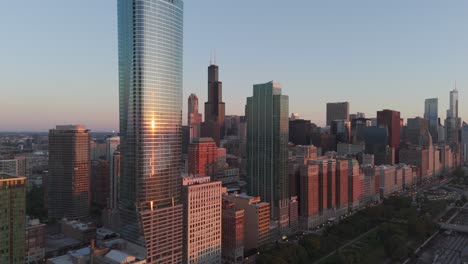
x=58 y=59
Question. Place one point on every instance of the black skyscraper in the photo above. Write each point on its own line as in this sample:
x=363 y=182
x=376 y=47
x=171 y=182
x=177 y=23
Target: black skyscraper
x=215 y=108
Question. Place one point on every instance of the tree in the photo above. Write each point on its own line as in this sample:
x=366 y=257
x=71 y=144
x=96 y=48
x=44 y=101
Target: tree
x=312 y=246
x=459 y=172
x=35 y=203
x=395 y=247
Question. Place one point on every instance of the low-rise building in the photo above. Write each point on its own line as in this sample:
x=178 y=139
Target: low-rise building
x=35 y=241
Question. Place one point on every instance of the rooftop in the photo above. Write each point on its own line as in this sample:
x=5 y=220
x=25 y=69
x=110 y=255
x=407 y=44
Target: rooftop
x=202 y=140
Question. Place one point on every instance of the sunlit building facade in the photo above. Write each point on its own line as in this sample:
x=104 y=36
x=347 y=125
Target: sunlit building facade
x=150 y=94
x=12 y=219
x=267 y=114
x=68 y=181
x=202 y=220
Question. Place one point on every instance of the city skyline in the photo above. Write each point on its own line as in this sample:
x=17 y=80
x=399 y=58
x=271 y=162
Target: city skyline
x=352 y=49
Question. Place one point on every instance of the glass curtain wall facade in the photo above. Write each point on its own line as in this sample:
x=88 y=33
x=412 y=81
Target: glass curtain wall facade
x=431 y=113
x=267 y=147
x=150 y=87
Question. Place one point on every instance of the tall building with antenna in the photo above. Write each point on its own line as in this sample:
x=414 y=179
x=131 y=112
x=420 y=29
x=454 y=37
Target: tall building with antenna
x=214 y=108
x=150 y=94
x=453 y=121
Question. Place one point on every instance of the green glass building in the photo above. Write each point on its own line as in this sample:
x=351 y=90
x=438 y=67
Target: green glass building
x=12 y=219
x=267 y=148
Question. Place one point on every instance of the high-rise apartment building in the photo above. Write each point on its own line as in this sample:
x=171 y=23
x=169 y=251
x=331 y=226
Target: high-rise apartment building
x=391 y=120
x=12 y=219
x=431 y=113
x=337 y=111
x=150 y=94
x=232 y=233
x=341 y=184
x=331 y=183
x=215 y=108
x=202 y=220
x=68 y=181
x=203 y=157
x=194 y=118
x=309 y=194
x=267 y=148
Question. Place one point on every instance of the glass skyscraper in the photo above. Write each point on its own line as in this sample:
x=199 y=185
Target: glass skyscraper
x=267 y=115
x=431 y=113
x=150 y=85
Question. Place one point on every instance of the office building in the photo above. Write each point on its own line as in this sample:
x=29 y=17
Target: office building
x=100 y=183
x=215 y=108
x=194 y=117
x=267 y=148
x=337 y=111
x=391 y=120
x=68 y=180
x=97 y=148
x=112 y=213
x=112 y=144
x=203 y=157
x=417 y=131
x=431 y=113
x=300 y=131
x=357 y=126
x=202 y=220
x=232 y=233
x=356 y=116
x=342 y=130
x=150 y=87
x=256 y=219
x=12 y=219
x=464 y=143
x=233 y=125
x=453 y=121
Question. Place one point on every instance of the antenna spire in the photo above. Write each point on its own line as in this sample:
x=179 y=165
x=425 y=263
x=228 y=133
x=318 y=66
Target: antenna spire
x=214 y=56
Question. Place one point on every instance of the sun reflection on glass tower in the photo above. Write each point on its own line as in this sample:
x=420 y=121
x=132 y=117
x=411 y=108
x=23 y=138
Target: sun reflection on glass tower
x=150 y=86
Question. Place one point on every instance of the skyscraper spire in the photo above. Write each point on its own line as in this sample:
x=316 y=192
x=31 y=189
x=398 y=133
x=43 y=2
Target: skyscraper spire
x=214 y=56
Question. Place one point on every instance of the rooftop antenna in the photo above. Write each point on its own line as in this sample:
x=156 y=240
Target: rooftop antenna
x=211 y=57
x=215 y=57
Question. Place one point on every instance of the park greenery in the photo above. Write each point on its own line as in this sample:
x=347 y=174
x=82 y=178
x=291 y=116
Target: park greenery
x=395 y=228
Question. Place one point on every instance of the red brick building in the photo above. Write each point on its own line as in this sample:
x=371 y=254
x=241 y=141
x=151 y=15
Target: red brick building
x=232 y=246
x=202 y=157
x=341 y=183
